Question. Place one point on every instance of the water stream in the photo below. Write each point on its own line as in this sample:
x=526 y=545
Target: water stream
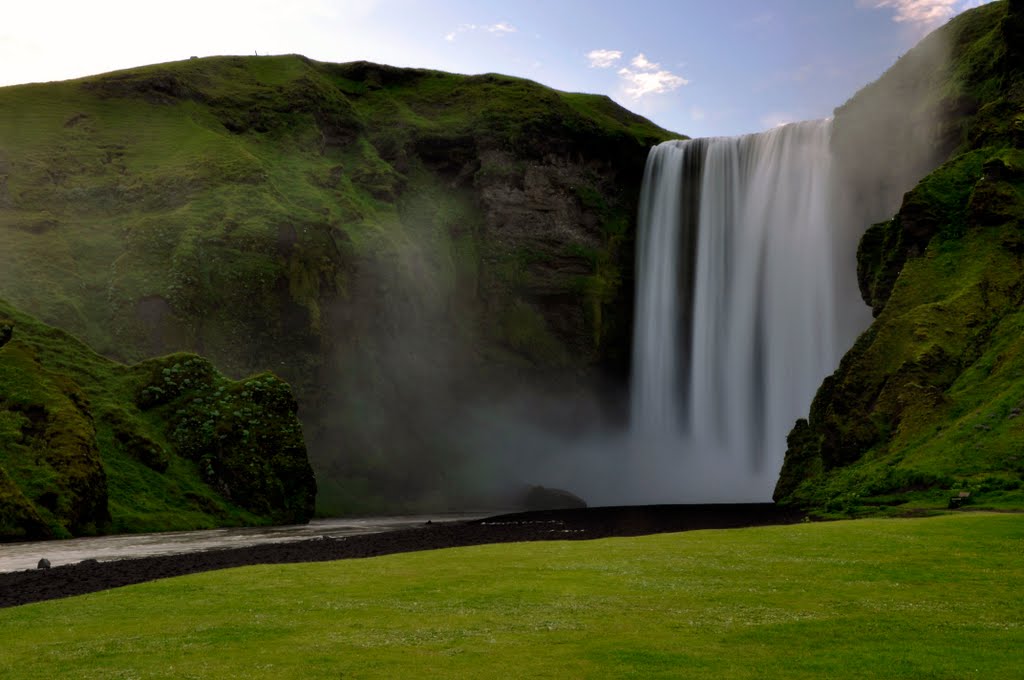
x=16 y=556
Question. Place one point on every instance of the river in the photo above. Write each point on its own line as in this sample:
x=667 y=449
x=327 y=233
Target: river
x=17 y=556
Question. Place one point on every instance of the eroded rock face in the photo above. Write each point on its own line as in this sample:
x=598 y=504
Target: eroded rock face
x=538 y=203
x=538 y=213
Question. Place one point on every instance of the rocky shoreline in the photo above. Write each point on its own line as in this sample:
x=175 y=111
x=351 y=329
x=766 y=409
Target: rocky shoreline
x=36 y=585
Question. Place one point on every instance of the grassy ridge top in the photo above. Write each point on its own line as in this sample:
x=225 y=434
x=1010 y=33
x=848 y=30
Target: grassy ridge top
x=88 y=445
x=183 y=181
x=894 y=599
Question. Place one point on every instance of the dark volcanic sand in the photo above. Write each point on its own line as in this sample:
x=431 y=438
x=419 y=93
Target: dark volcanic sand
x=23 y=587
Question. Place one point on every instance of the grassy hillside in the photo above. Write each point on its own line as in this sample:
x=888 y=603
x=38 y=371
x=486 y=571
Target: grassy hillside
x=88 y=445
x=869 y=599
x=926 y=404
x=387 y=240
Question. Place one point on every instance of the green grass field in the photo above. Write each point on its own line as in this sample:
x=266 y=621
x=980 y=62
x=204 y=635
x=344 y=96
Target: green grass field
x=910 y=598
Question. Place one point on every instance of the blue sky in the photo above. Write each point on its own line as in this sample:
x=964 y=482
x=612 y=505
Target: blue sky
x=698 y=67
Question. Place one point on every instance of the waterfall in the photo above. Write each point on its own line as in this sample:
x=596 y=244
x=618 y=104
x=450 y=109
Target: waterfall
x=735 y=309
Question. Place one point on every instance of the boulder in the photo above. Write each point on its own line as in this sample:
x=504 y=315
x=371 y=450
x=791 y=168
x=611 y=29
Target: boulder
x=543 y=498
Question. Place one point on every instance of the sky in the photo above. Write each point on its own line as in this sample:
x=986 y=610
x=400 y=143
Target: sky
x=697 y=67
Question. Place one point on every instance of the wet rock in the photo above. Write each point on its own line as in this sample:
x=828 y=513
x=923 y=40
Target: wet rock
x=543 y=498
x=43 y=564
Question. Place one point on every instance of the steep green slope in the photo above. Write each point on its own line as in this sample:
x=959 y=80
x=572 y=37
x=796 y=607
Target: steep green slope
x=394 y=242
x=926 y=404
x=88 y=445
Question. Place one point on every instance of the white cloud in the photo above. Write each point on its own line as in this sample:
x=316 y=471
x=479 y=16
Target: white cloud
x=641 y=62
x=642 y=83
x=923 y=12
x=501 y=28
x=603 y=58
x=646 y=77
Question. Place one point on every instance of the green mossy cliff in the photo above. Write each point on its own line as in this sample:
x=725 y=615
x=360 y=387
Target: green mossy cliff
x=393 y=242
x=91 y=446
x=927 y=403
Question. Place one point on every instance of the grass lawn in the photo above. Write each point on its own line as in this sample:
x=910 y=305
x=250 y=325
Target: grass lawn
x=878 y=598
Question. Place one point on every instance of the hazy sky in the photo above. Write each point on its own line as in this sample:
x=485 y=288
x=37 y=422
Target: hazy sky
x=700 y=67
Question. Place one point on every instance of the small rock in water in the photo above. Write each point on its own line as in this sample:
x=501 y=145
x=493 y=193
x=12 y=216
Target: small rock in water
x=44 y=564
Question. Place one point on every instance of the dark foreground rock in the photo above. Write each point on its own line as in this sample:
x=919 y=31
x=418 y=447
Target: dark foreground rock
x=23 y=587
x=543 y=498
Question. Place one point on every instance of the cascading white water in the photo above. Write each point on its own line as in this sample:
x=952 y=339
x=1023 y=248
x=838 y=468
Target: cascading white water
x=735 y=317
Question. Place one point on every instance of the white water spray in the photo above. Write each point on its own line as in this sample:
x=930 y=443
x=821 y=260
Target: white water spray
x=736 y=310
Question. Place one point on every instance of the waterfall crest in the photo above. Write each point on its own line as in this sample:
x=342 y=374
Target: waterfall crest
x=736 y=308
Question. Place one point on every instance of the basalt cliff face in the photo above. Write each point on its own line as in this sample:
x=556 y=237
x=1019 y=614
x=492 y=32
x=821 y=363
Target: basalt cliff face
x=396 y=243
x=925 y=406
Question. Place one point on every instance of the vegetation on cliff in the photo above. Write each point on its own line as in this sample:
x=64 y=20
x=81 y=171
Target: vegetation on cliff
x=387 y=240
x=926 y=405
x=88 y=445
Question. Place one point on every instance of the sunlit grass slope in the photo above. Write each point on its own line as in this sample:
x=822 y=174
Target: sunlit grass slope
x=886 y=599
x=88 y=445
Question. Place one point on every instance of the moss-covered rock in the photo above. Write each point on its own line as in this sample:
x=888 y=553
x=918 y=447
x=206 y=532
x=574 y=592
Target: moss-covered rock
x=927 y=401
x=90 y=446
x=244 y=436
